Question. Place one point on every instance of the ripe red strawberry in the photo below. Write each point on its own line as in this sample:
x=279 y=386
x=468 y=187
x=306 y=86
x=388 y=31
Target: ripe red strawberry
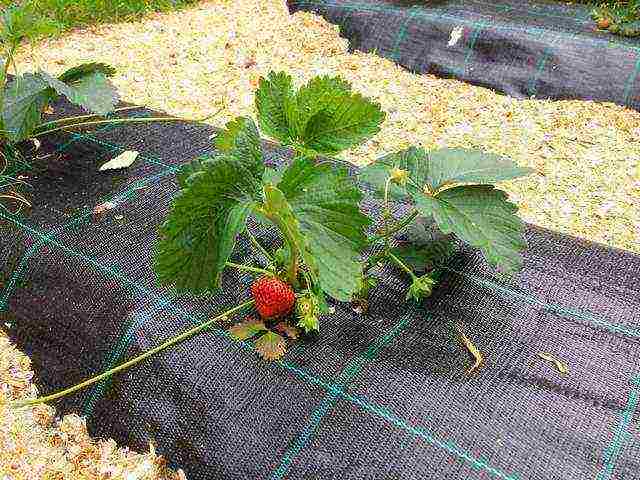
x=273 y=297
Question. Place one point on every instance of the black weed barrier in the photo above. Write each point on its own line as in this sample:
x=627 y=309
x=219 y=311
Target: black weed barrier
x=379 y=395
x=523 y=48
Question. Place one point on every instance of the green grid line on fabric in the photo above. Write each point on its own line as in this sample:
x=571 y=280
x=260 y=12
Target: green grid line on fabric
x=471 y=48
x=116 y=353
x=400 y=36
x=354 y=367
x=564 y=36
x=631 y=80
x=612 y=452
x=75 y=137
x=542 y=62
x=35 y=248
x=367 y=406
x=559 y=309
x=511 y=8
x=81 y=255
x=419 y=432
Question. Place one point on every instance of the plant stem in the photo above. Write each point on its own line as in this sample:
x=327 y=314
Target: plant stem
x=81 y=117
x=115 y=121
x=399 y=226
x=259 y=247
x=386 y=214
x=401 y=264
x=248 y=268
x=169 y=343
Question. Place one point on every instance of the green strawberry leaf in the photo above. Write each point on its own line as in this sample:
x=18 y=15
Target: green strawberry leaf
x=271 y=96
x=483 y=217
x=217 y=195
x=199 y=234
x=247 y=329
x=348 y=121
x=25 y=98
x=317 y=95
x=324 y=202
x=186 y=170
x=271 y=346
x=93 y=91
x=242 y=140
x=80 y=71
x=324 y=116
x=443 y=168
x=477 y=214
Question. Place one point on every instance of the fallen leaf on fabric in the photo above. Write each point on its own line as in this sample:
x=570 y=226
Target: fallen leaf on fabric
x=103 y=207
x=456 y=33
x=247 y=328
x=473 y=350
x=124 y=160
x=558 y=364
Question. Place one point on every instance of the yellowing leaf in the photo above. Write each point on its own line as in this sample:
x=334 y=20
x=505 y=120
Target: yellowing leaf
x=247 y=329
x=124 y=160
x=271 y=346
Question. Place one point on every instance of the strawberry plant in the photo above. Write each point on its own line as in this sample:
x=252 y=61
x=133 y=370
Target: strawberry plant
x=314 y=205
x=329 y=250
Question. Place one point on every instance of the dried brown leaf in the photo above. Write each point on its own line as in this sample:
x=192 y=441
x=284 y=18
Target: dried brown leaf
x=247 y=328
x=103 y=207
x=271 y=346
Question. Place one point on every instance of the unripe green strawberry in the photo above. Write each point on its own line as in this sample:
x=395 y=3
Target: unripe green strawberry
x=273 y=297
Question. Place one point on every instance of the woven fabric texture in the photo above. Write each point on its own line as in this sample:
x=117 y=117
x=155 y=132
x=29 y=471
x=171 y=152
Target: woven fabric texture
x=380 y=395
x=540 y=48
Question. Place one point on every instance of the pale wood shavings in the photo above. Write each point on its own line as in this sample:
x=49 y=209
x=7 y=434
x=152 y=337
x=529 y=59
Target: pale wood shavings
x=36 y=445
x=193 y=62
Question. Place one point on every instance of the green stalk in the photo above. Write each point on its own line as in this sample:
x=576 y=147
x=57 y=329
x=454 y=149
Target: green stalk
x=169 y=343
x=117 y=121
x=255 y=242
x=248 y=268
x=399 y=226
x=113 y=122
x=5 y=71
x=81 y=117
x=401 y=264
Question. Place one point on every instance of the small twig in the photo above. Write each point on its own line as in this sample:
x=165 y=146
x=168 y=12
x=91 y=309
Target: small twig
x=473 y=350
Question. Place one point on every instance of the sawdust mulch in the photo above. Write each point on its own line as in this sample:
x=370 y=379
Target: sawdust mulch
x=211 y=56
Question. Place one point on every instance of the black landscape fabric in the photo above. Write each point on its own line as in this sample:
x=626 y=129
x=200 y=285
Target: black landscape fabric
x=524 y=48
x=379 y=395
